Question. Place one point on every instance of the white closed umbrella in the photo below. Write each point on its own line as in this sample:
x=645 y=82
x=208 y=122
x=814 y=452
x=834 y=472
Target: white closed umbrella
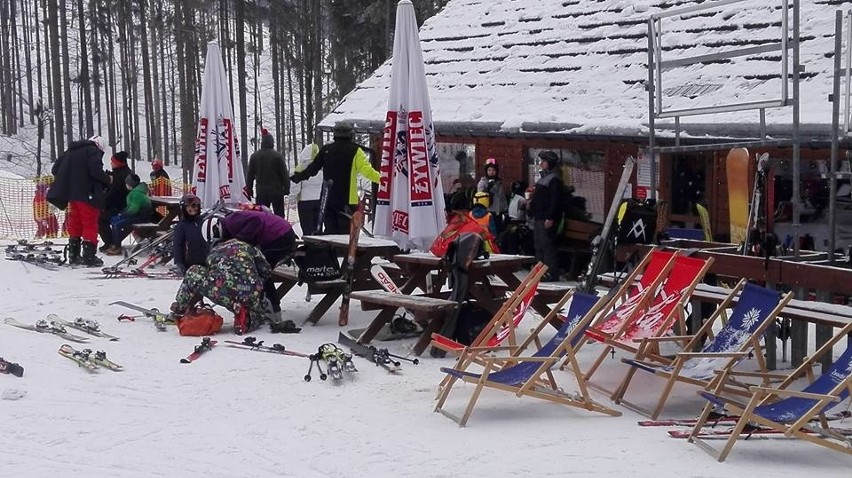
x=218 y=167
x=410 y=199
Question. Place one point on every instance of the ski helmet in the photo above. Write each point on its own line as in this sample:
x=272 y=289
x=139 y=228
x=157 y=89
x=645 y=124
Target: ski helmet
x=481 y=198
x=187 y=200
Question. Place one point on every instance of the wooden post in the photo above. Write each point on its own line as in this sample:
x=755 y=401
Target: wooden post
x=824 y=333
x=799 y=334
x=770 y=340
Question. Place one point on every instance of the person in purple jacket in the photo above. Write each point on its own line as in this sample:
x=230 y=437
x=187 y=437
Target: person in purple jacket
x=272 y=234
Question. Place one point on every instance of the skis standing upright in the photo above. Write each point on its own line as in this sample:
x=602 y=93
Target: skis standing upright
x=326 y=190
x=601 y=243
x=349 y=274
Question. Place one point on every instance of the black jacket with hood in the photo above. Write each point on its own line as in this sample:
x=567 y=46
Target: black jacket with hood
x=268 y=167
x=79 y=176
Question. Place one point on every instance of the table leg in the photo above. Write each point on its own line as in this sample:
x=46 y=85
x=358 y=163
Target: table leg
x=283 y=289
x=384 y=317
x=432 y=326
x=323 y=306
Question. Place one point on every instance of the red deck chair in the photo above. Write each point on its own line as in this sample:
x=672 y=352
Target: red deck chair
x=658 y=317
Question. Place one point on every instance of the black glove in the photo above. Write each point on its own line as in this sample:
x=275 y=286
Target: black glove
x=296 y=178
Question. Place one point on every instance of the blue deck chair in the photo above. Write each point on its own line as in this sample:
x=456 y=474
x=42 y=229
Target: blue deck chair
x=522 y=375
x=797 y=414
x=756 y=308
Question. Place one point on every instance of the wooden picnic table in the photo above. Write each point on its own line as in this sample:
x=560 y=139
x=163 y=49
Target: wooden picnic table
x=482 y=287
x=368 y=248
x=172 y=205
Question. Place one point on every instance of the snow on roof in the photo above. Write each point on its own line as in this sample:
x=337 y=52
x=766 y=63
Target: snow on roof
x=579 y=66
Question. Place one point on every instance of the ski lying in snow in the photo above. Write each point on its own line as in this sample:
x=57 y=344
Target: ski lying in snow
x=79 y=356
x=44 y=327
x=379 y=357
x=101 y=359
x=90 y=327
x=136 y=274
x=160 y=319
x=11 y=368
x=752 y=432
x=381 y=276
x=205 y=345
x=690 y=422
x=47 y=261
x=251 y=343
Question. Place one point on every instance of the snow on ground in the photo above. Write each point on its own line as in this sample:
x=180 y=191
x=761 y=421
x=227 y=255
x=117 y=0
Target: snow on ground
x=237 y=413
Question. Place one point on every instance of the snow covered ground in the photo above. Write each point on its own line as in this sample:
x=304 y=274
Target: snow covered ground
x=236 y=413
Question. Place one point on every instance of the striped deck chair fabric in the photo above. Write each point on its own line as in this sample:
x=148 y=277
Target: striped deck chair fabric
x=655 y=272
x=666 y=307
x=499 y=328
x=796 y=414
x=756 y=308
x=524 y=374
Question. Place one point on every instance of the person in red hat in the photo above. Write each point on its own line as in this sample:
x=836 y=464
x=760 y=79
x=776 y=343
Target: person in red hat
x=116 y=197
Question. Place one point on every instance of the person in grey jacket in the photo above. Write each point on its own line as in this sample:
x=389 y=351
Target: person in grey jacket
x=268 y=167
x=493 y=185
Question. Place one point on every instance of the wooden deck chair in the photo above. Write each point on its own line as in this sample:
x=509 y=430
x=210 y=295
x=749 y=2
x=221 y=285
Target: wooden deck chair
x=529 y=375
x=658 y=317
x=755 y=310
x=502 y=324
x=799 y=414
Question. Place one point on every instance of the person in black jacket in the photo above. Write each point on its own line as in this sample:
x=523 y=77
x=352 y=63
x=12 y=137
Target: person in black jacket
x=188 y=245
x=116 y=197
x=79 y=187
x=545 y=211
x=341 y=162
x=268 y=167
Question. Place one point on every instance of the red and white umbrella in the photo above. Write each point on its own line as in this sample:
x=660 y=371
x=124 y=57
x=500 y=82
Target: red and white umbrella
x=410 y=199
x=218 y=167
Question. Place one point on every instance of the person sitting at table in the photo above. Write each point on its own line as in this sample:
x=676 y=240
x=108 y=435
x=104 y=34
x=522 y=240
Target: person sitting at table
x=231 y=277
x=138 y=210
x=189 y=248
x=459 y=221
x=480 y=213
x=276 y=239
x=116 y=197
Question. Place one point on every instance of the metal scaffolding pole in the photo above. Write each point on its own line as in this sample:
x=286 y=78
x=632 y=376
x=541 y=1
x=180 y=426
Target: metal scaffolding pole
x=797 y=160
x=835 y=137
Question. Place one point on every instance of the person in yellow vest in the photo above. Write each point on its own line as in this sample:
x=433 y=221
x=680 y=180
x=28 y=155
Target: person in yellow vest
x=479 y=212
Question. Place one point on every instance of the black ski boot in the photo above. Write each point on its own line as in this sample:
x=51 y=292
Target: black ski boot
x=74 y=250
x=89 y=258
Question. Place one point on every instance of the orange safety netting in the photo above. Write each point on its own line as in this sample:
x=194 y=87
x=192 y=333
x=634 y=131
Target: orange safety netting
x=26 y=214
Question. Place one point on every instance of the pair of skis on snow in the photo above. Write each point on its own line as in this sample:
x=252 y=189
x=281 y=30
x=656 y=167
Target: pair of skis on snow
x=89 y=360
x=726 y=424
x=54 y=325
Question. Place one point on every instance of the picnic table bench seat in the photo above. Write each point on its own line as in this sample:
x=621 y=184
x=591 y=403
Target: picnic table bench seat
x=428 y=312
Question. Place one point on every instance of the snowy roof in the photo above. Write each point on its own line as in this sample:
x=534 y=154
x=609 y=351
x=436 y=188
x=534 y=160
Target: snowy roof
x=579 y=67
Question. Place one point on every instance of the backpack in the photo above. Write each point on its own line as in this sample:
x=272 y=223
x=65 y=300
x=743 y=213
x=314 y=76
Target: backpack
x=199 y=321
x=316 y=263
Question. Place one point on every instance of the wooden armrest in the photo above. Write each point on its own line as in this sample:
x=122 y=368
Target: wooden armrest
x=712 y=354
x=753 y=374
x=665 y=338
x=490 y=349
x=794 y=393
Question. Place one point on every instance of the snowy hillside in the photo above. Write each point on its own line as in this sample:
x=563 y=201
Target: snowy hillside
x=236 y=413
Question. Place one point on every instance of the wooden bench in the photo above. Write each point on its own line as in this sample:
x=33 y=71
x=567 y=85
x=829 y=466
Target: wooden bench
x=428 y=312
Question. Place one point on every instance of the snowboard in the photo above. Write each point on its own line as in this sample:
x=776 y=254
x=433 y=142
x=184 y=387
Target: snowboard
x=736 y=169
